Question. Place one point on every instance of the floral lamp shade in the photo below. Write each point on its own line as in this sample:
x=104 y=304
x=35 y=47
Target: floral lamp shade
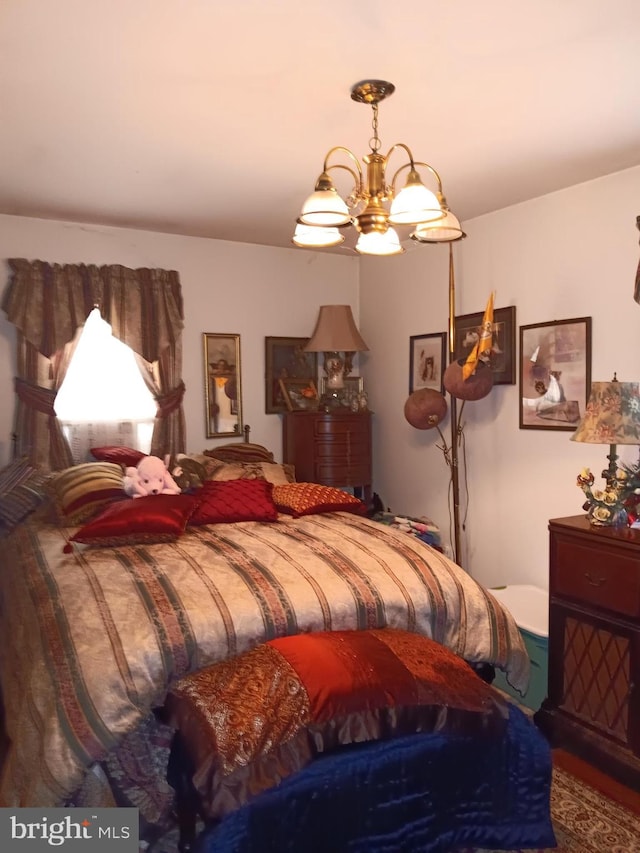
x=612 y=417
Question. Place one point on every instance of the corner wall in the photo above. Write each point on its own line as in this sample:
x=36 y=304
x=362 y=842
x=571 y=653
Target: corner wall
x=570 y=254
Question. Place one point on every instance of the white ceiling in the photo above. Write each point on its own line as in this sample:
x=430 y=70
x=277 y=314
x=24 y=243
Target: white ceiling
x=212 y=118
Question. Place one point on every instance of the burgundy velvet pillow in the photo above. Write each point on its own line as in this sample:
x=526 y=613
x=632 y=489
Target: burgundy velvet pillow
x=225 y=501
x=139 y=521
x=125 y=456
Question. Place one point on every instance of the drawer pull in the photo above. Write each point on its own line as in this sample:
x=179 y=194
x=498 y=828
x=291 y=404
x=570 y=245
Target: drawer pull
x=594 y=581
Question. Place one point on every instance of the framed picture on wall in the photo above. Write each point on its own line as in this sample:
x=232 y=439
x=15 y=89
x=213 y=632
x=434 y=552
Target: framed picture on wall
x=503 y=343
x=286 y=359
x=427 y=361
x=555 y=373
x=353 y=386
x=222 y=389
x=299 y=395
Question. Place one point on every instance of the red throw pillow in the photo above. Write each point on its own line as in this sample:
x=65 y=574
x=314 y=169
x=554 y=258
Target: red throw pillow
x=125 y=456
x=307 y=498
x=139 y=521
x=234 y=500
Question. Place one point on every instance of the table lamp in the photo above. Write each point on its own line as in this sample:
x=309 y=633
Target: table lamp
x=612 y=417
x=337 y=336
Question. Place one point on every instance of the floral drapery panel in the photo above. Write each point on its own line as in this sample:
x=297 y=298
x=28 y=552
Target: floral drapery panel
x=48 y=302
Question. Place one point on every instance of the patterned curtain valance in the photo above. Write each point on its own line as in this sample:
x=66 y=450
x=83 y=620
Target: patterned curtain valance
x=47 y=302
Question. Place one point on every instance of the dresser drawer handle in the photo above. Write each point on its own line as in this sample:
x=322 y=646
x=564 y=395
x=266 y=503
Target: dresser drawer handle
x=594 y=581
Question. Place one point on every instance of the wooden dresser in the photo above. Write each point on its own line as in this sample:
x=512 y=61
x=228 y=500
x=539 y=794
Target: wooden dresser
x=330 y=448
x=593 y=702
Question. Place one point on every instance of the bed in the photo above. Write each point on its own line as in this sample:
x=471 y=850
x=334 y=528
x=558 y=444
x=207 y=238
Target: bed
x=95 y=631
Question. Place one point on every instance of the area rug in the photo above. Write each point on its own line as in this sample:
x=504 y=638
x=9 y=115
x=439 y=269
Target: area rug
x=584 y=820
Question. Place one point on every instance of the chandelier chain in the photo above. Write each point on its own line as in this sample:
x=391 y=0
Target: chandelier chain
x=374 y=142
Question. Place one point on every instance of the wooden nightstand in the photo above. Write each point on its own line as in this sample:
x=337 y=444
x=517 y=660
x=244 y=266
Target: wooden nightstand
x=330 y=448
x=593 y=702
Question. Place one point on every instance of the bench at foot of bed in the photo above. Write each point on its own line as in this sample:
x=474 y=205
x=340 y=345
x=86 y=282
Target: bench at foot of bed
x=361 y=740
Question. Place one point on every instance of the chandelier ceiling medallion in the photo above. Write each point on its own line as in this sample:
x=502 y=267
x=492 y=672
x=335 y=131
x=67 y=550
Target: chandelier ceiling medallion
x=373 y=205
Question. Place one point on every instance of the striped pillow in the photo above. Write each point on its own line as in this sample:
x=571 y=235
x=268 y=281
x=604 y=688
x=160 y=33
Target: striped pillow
x=245 y=452
x=21 y=491
x=272 y=472
x=80 y=491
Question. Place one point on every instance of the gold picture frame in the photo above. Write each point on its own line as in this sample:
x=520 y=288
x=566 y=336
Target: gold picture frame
x=353 y=385
x=285 y=358
x=222 y=385
x=299 y=395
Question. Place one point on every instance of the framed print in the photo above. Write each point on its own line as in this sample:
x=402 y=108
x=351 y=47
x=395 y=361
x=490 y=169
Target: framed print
x=503 y=344
x=299 y=396
x=555 y=373
x=353 y=385
x=222 y=388
x=285 y=358
x=427 y=361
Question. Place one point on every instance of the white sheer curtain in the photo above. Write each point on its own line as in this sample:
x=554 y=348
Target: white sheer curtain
x=103 y=399
x=82 y=436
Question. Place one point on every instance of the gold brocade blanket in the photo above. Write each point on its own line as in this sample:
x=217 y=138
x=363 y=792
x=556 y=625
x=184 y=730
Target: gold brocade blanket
x=92 y=640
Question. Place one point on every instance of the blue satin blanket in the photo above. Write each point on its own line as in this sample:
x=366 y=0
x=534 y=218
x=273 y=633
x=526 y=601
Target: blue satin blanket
x=427 y=793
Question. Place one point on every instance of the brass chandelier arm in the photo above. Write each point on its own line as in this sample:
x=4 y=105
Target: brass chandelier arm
x=352 y=156
x=357 y=180
x=405 y=148
x=411 y=165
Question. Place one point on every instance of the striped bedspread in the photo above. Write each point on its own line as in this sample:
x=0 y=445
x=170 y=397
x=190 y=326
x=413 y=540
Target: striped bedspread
x=90 y=641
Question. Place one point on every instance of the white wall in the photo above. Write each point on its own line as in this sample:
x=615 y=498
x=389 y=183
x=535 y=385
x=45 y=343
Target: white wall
x=570 y=254
x=254 y=291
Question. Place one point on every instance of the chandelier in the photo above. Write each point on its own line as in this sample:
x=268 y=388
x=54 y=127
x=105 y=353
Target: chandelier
x=373 y=206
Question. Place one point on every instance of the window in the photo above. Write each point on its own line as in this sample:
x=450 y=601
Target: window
x=103 y=398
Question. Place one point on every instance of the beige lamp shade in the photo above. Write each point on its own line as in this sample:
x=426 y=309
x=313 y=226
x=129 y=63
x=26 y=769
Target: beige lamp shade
x=336 y=331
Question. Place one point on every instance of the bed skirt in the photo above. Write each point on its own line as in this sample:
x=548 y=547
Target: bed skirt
x=415 y=794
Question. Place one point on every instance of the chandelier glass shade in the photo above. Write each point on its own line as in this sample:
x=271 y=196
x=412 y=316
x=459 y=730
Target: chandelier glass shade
x=374 y=205
x=320 y=237
x=445 y=230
